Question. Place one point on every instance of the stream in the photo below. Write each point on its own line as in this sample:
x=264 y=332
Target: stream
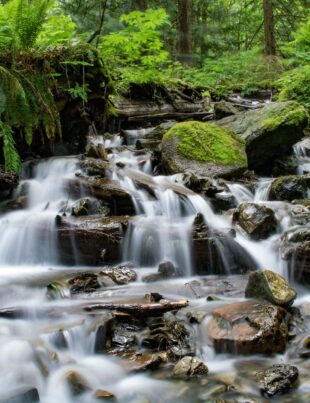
x=49 y=352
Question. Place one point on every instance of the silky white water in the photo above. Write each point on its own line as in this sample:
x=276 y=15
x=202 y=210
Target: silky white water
x=55 y=337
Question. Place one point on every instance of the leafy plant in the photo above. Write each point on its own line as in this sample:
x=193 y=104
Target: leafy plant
x=79 y=91
x=136 y=53
x=295 y=84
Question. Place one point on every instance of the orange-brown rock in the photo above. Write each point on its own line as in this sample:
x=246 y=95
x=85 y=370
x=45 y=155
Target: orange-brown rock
x=249 y=327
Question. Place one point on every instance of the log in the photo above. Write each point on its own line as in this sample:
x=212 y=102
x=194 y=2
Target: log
x=139 y=310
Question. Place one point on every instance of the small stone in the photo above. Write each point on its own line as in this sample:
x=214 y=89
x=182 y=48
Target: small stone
x=277 y=379
x=120 y=275
x=101 y=394
x=190 y=366
x=85 y=282
x=76 y=383
x=30 y=396
x=266 y=284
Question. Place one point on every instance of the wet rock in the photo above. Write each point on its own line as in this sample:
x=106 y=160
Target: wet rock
x=83 y=283
x=278 y=379
x=269 y=132
x=15 y=204
x=88 y=206
x=249 y=327
x=189 y=367
x=216 y=252
x=295 y=249
x=166 y=270
x=223 y=109
x=285 y=166
x=222 y=202
x=144 y=362
x=24 y=396
x=153 y=297
x=76 y=382
x=94 y=167
x=256 y=220
x=265 y=284
x=8 y=182
x=109 y=192
x=205 y=149
x=90 y=240
x=290 y=187
x=171 y=336
x=121 y=274
x=101 y=394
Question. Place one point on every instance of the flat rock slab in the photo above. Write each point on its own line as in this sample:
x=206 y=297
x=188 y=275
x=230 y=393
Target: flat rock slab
x=249 y=327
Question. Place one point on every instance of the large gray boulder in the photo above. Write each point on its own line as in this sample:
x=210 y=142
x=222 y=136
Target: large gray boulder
x=269 y=132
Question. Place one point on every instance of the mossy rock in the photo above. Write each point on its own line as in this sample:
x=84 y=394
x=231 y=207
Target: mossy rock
x=290 y=187
x=269 y=132
x=265 y=284
x=203 y=148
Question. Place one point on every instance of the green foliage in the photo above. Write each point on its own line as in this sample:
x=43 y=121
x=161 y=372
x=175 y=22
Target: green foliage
x=245 y=72
x=79 y=91
x=136 y=53
x=11 y=156
x=208 y=143
x=22 y=22
x=295 y=85
x=299 y=49
x=58 y=29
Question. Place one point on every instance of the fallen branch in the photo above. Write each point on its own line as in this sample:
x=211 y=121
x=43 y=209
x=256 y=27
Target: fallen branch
x=140 y=310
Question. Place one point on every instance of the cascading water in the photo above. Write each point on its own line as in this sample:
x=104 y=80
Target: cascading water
x=55 y=340
x=302 y=155
x=28 y=235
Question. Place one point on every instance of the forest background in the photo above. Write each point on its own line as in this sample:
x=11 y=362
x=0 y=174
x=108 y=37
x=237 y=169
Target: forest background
x=219 y=47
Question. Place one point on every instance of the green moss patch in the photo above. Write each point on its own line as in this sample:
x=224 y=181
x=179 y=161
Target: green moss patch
x=207 y=143
x=292 y=114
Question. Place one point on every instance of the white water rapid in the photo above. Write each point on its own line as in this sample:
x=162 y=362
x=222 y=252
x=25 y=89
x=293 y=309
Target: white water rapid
x=51 y=347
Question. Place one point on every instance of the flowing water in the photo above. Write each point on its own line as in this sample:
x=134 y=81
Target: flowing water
x=54 y=338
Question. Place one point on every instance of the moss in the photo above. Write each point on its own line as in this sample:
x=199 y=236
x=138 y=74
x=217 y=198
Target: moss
x=293 y=114
x=208 y=143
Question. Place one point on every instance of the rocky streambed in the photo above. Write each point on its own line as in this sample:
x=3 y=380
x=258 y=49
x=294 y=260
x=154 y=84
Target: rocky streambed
x=122 y=283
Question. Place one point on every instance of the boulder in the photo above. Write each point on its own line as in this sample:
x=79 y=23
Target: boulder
x=265 y=284
x=222 y=109
x=257 y=220
x=88 y=206
x=24 y=395
x=166 y=270
x=109 y=192
x=216 y=252
x=205 y=149
x=249 y=327
x=8 y=182
x=277 y=379
x=269 y=132
x=295 y=249
x=76 y=382
x=189 y=367
x=290 y=187
x=90 y=240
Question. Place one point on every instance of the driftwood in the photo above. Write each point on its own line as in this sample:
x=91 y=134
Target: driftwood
x=138 y=310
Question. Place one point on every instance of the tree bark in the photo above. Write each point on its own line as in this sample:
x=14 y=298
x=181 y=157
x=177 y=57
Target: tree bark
x=140 y=5
x=270 y=43
x=185 y=30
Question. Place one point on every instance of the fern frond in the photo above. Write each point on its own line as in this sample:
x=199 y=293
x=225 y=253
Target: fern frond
x=12 y=160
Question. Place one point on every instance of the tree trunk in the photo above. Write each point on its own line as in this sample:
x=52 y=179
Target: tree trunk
x=185 y=30
x=140 y=5
x=270 y=43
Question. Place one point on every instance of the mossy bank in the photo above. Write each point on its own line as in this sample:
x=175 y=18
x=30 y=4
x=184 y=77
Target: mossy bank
x=204 y=148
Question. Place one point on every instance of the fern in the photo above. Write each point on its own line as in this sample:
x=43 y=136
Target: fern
x=11 y=156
